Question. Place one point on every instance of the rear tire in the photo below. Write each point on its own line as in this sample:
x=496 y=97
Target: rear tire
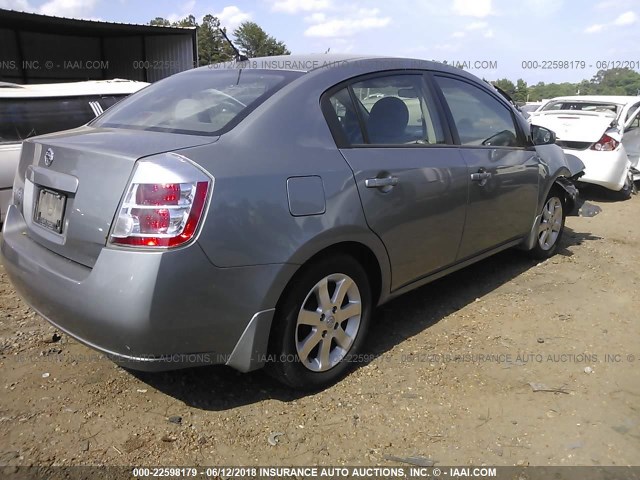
x=550 y=227
x=320 y=323
x=627 y=189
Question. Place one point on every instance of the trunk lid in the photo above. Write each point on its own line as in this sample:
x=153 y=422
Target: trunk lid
x=79 y=176
x=574 y=126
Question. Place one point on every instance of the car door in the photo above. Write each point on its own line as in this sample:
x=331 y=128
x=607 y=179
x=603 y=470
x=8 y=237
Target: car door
x=412 y=182
x=631 y=136
x=503 y=172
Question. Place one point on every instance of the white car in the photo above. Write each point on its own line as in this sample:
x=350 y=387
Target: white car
x=29 y=110
x=601 y=130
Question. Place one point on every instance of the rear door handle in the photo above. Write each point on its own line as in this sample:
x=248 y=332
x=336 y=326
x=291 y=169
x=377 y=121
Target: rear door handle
x=381 y=182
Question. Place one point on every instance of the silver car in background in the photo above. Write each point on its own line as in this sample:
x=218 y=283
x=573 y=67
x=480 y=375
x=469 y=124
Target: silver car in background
x=35 y=109
x=256 y=214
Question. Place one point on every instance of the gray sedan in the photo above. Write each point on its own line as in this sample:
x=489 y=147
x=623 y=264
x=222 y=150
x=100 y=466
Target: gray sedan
x=255 y=214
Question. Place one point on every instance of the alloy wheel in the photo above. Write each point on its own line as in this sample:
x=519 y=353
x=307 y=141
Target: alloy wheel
x=328 y=322
x=550 y=223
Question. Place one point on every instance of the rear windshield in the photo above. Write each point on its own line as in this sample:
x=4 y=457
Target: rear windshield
x=608 y=108
x=203 y=102
x=21 y=118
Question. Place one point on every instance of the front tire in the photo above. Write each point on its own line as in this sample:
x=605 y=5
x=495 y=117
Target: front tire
x=550 y=226
x=320 y=323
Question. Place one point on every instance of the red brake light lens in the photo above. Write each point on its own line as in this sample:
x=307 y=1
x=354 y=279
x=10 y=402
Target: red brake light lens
x=605 y=144
x=154 y=220
x=162 y=214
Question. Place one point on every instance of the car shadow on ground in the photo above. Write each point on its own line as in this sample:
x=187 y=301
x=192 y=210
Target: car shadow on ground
x=219 y=388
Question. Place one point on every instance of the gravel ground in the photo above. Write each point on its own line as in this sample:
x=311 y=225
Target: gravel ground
x=508 y=362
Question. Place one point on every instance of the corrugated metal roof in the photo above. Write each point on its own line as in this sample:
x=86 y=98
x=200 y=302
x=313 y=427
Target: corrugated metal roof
x=31 y=21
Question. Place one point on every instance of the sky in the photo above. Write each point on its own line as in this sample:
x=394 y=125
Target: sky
x=491 y=38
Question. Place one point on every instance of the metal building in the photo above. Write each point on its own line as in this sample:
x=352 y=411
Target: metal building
x=42 y=49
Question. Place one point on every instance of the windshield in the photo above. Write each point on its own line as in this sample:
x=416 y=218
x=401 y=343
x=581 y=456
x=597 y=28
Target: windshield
x=609 y=108
x=529 y=108
x=203 y=102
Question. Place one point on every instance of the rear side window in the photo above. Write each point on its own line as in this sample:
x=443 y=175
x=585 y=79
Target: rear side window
x=345 y=112
x=198 y=103
x=387 y=110
x=24 y=118
x=479 y=117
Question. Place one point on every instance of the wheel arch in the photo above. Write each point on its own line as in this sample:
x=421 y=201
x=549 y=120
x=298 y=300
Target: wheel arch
x=568 y=194
x=372 y=258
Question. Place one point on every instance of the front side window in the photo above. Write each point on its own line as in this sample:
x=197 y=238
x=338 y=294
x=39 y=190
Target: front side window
x=480 y=118
x=21 y=118
x=196 y=103
x=389 y=110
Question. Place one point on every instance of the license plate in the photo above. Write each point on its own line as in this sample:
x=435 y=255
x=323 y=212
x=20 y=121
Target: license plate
x=50 y=210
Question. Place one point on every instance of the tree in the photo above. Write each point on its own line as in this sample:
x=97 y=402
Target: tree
x=253 y=41
x=616 y=81
x=212 y=47
x=522 y=91
x=160 y=22
x=189 y=21
x=506 y=85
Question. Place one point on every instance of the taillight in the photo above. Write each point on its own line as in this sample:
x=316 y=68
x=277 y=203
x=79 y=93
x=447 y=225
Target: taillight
x=164 y=203
x=605 y=144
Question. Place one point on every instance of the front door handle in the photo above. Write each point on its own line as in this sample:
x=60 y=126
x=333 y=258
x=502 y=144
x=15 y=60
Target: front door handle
x=481 y=177
x=381 y=182
x=478 y=177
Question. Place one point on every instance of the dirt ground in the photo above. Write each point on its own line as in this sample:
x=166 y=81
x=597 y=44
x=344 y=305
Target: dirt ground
x=453 y=378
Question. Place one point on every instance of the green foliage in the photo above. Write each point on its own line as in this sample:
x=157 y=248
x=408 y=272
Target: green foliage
x=522 y=91
x=506 y=85
x=213 y=48
x=160 y=22
x=189 y=21
x=253 y=41
x=616 y=81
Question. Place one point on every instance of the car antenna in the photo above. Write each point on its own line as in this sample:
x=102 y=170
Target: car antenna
x=239 y=56
x=505 y=95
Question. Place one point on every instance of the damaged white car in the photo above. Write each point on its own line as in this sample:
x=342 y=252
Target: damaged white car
x=603 y=131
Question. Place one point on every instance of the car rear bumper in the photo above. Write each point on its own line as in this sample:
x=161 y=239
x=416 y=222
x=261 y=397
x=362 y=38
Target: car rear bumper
x=607 y=169
x=149 y=310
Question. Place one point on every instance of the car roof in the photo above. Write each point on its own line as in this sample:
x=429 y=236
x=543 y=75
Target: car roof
x=304 y=63
x=71 y=89
x=309 y=62
x=615 y=99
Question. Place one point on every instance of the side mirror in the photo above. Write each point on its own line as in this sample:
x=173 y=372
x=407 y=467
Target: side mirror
x=542 y=136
